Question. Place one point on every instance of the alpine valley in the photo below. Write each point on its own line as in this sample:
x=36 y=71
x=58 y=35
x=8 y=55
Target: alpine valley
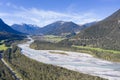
x=64 y=48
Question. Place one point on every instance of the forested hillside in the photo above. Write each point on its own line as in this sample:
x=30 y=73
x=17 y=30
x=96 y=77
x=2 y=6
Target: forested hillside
x=6 y=32
x=104 y=34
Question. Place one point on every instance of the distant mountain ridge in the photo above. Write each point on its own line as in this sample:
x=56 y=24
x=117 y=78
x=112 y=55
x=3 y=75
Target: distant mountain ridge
x=60 y=27
x=55 y=28
x=27 y=28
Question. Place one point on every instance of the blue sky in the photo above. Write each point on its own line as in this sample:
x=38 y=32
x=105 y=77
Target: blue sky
x=43 y=12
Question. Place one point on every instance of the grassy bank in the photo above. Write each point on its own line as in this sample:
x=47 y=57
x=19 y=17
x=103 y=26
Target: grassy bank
x=110 y=55
x=32 y=70
x=97 y=49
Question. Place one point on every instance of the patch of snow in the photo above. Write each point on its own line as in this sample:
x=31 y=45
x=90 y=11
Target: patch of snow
x=62 y=22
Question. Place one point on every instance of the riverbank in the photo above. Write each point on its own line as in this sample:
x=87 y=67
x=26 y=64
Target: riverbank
x=110 y=55
x=30 y=69
x=80 y=62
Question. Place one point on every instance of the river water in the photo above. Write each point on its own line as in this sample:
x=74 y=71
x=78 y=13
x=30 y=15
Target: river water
x=80 y=62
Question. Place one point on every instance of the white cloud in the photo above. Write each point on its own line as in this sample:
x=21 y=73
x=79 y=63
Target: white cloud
x=4 y=14
x=44 y=17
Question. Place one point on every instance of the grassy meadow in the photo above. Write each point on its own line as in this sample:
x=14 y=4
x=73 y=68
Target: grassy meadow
x=53 y=38
x=3 y=47
x=110 y=55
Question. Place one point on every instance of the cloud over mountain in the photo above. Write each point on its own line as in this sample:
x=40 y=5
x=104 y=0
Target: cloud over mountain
x=19 y=14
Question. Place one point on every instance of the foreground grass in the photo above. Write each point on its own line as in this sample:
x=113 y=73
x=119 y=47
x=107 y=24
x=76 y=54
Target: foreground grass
x=32 y=70
x=4 y=72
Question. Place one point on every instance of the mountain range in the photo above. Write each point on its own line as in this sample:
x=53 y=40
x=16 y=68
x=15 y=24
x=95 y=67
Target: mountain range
x=27 y=28
x=55 y=28
x=60 y=27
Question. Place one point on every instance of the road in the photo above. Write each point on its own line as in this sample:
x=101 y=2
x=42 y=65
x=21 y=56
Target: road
x=14 y=74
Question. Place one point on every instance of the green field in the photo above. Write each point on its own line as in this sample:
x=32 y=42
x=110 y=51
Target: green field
x=110 y=55
x=97 y=49
x=3 y=47
x=53 y=38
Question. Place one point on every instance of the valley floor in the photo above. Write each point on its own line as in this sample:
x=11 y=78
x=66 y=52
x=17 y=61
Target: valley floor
x=80 y=62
